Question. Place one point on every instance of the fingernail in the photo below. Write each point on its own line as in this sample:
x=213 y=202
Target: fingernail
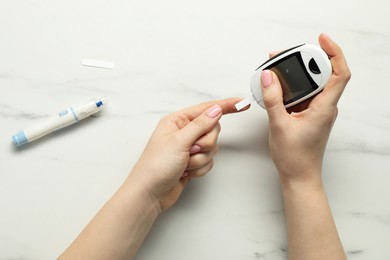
x=273 y=53
x=266 y=78
x=214 y=111
x=327 y=36
x=195 y=149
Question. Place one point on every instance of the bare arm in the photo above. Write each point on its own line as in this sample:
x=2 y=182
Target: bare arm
x=182 y=147
x=312 y=232
x=297 y=144
x=118 y=229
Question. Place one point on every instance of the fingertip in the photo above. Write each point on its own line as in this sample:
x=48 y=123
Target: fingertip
x=272 y=95
x=328 y=45
x=266 y=78
x=185 y=174
x=200 y=125
x=214 y=111
x=336 y=55
x=341 y=72
x=324 y=41
x=272 y=54
x=325 y=36
x=229 y=105
x=195 y=148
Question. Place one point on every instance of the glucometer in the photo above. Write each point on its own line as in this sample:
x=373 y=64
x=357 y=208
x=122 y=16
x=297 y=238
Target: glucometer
x=303 y=71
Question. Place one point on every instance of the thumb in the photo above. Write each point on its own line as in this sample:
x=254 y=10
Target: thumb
x=201 y=125
x=272 y=95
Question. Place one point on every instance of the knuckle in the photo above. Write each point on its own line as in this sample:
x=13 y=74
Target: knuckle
x=208 y=142
x=214 y=139
x=178 y=138
x=164 y=119
x=216 y=149
x=181 y=121
x=218 y=127
x=277 y=126
x=206 y=169
x=330 y=117
x=270 y=101
x=347 y=74
x=197 y=161
x=210 y=165
x=199 y=122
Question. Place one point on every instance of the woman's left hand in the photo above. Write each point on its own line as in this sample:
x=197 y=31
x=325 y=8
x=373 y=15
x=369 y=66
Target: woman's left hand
x=182 y=147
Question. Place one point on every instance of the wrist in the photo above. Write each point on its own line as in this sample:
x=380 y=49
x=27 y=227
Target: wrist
x=303 y=180
x=136 y=195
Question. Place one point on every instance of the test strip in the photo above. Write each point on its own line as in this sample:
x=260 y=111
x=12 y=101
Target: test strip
x=98 y=63
x=243 y=103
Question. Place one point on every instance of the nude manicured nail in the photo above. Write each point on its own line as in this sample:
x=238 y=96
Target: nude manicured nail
x=273 y=53
x=214 y=111
x=327 y=36
x=195 y=149
x=266 y=78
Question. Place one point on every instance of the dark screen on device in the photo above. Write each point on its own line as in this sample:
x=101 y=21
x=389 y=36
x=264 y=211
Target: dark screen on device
x=295 y=80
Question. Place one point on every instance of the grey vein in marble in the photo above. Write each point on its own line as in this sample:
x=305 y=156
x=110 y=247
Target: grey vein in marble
x=8 y=112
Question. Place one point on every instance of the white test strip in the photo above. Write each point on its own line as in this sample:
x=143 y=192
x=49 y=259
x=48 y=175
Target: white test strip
x=243 y=103
x=98 y=63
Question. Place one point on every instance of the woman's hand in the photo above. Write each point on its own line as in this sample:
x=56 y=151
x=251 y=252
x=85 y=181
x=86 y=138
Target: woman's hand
x=182 y=147
x=298 y=139
x=297 y=144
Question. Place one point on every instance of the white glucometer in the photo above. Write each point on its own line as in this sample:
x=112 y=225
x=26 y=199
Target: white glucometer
x=303 y=71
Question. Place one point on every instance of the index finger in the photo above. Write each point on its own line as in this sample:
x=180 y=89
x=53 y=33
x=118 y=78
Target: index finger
x=341 y=73
x=227 y=105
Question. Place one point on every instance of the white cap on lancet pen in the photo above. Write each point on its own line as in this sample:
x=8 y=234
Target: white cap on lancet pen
x=245 y=102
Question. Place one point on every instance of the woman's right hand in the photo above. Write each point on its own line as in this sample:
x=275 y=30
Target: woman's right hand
x=297 y=140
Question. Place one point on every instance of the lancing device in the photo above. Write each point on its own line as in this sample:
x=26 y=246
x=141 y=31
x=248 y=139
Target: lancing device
x=63 y=119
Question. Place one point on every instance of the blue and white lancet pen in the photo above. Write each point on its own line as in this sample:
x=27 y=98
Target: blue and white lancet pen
x=63 y=119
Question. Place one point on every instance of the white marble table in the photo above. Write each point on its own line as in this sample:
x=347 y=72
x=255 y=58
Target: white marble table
x=168 y=55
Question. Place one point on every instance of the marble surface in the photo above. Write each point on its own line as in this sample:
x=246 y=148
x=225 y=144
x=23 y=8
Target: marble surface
x=169 y=55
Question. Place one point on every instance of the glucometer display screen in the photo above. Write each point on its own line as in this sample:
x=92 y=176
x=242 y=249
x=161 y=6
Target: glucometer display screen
x=295 y=80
